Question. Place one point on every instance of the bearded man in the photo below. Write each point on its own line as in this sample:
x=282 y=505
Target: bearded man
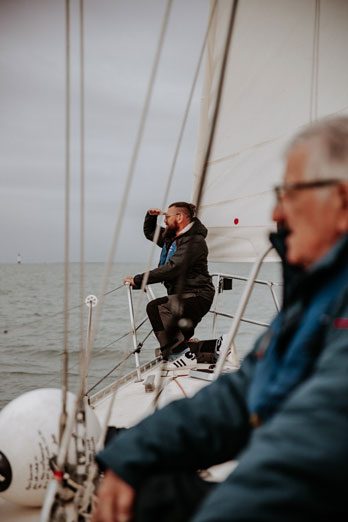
x=183 y=269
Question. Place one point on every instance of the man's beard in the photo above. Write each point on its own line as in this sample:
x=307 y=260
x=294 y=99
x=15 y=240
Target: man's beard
x=170 y=232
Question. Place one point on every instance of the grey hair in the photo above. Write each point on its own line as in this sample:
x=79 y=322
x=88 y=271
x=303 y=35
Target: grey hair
x=327 y=143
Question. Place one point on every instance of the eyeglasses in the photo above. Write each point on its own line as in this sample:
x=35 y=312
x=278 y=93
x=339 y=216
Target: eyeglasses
x=287 y=188
x=166 y=216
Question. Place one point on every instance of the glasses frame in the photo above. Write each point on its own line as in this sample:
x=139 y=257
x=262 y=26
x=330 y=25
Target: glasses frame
x=281 y=190
x=166 y=216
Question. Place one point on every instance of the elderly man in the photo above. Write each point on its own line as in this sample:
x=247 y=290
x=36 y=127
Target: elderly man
x=284 y=415
x=183 y=268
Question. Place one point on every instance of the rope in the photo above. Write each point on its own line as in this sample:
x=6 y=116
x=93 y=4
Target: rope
x=132 y=166
x=177 y=148
x=82 y=179
x=65 y=362
x=205 y=163
x=217 y=104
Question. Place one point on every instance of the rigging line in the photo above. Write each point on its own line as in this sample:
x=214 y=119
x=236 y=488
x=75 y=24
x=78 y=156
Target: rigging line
x=114 y=290
x=132 y=166
x=204 y=167
x=123 y=336
x=110 y=372
x=65 y=363
x=315 y=65
x=82 y=177
x=178 y=147
x=14 y=328
x=217 y=104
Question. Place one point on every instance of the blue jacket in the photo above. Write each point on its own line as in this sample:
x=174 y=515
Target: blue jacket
x=295 y=465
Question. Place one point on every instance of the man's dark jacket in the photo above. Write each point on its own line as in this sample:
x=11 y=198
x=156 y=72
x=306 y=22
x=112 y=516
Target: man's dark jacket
x=187 y=270
x=295 y=465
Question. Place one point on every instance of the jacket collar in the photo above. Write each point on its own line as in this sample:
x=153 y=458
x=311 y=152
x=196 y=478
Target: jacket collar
x=297 y=279
x=186 y=229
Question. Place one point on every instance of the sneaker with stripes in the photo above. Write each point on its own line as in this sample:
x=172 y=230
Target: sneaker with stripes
x=183 y=360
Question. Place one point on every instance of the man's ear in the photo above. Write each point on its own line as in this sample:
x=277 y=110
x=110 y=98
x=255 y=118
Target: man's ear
x=343 y=187
x=181 y=217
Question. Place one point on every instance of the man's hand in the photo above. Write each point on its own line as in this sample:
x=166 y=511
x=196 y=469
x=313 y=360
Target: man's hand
x=128 y=280
x=155 y=211
x=115 y=500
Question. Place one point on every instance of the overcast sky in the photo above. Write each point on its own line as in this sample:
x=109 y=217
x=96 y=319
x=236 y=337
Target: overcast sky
x=120 y=43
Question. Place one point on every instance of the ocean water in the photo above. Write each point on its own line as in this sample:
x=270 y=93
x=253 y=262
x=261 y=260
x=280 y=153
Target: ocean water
x=32 y=322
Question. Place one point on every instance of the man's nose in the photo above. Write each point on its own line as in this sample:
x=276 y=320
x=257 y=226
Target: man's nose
x=278 y=213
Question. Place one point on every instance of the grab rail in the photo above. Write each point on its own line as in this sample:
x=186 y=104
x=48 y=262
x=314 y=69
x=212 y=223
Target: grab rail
x=139 y=368
x=134 y=332
x=216 y=313
x=250 y=281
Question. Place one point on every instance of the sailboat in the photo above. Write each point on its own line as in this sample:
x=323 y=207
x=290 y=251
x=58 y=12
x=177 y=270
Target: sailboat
x=271 y=67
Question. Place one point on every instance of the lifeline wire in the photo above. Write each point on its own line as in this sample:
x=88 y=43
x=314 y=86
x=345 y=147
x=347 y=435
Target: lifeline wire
x=103 y=348
x=11 y=329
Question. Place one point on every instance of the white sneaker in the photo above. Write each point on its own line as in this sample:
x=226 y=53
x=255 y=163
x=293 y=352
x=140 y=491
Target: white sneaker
x=183 y=361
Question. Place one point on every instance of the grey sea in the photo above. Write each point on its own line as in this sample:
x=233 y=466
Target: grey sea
x=32 y=322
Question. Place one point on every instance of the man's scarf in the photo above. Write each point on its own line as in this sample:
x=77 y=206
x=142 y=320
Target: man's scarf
x=167 y=253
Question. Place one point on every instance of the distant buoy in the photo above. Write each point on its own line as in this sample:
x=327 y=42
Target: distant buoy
x=28 y=439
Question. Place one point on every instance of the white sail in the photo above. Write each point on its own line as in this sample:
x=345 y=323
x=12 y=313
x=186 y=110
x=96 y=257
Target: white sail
x=287 y=65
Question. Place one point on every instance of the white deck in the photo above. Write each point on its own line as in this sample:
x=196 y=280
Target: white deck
x=131 y=404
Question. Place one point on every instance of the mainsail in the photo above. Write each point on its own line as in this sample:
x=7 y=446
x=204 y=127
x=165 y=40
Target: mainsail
x=287 y=65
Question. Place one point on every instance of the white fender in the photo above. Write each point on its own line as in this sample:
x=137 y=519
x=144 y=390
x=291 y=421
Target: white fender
x=29 y=427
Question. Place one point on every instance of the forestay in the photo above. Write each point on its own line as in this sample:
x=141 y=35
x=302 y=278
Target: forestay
x=287 y=65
